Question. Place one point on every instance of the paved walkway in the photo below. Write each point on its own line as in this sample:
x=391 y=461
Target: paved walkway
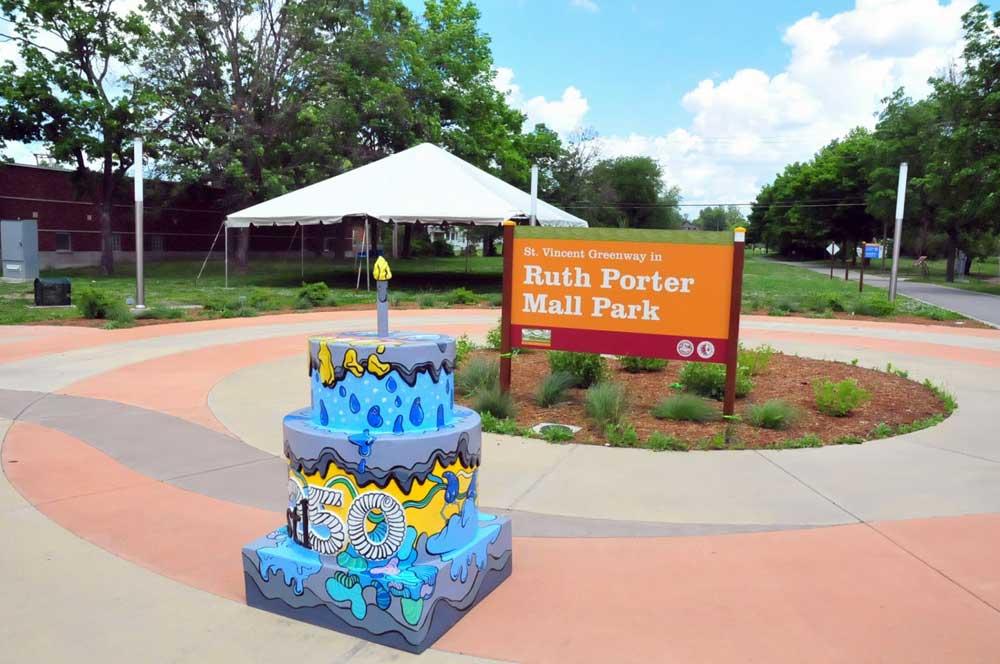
x=980 y=306
x=136 y=462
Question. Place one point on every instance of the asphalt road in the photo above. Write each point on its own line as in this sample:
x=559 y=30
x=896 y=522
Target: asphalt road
x=981 y=306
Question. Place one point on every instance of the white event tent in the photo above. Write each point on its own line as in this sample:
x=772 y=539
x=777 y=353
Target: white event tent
x=423 y=184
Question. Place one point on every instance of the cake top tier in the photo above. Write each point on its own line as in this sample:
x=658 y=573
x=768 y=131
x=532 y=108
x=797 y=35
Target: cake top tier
x=398 y=383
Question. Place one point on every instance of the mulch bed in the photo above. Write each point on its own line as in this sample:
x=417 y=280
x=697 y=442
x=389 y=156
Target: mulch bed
x=895 y=401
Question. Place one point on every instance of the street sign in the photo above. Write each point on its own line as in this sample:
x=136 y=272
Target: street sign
x=873 y=251
x=833 y=249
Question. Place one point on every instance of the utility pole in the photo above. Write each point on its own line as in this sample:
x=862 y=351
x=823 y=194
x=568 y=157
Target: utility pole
x=898 y=234
x=534 y=194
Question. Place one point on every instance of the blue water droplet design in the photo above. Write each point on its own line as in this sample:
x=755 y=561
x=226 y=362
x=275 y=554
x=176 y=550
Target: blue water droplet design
x=399 y=402
x=354 y=404
x=397 y=425
x=343 y=391
x=440 y=416
x=390 y=384
x=362 y=465
x=416 y=413
x=324 y=417
x=374 y=417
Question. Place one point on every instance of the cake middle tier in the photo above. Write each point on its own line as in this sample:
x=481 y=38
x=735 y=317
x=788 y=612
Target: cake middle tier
x=401 y=383
x=366 y=490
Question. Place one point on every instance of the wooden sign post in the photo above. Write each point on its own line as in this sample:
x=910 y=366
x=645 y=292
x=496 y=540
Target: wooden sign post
x=648 y=293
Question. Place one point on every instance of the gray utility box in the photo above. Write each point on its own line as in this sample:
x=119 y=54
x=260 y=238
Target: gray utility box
x=19 y=248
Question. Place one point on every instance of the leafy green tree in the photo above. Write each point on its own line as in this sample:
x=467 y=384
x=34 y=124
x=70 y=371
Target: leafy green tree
x=629 y=192
x=719 y=218
x=71 y=92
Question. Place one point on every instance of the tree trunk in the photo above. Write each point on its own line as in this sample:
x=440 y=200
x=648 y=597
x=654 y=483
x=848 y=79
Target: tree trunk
x=968 y=266
x=952 y=247
x=107 y=197
x=243 y=250
x=107 y=248
x=407 y=238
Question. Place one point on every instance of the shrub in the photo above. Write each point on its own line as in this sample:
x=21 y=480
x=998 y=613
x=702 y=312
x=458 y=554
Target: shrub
x=161 y=313
x=461 y=296
x=506 y=426
x=441 y=248
x=621 y=435
x=220 y=302
x=477 y=374
x=686 y=408
x=463 y=346
x=309 y=295
x=660 y=442
x=494 y=299
x=773 y=414
x=839 y=399
x=881 y=430
x=494 y=338
x=878 y=308
x=557 y=434
x=425 y=301
x=641 y=364
x=607 y=403
x=263 y=299
x=756 y=360
x=491 y=399
x=709 y=380
x=808 y=440
x=553 y=388
x=97 y=303
x=586 y=368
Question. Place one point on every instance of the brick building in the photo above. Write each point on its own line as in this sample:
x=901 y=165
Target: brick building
x=180 y=221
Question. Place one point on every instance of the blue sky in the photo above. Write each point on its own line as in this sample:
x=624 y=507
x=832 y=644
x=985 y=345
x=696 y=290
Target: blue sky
x=722 y=93
x=635 y=60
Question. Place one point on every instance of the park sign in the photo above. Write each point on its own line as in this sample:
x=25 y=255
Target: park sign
x=647 y=293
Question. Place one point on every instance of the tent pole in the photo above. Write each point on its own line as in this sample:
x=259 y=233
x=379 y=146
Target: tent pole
x=357 y=261
x=210 y=250
x=368 y=250
x=227 y=253
x=302 y=252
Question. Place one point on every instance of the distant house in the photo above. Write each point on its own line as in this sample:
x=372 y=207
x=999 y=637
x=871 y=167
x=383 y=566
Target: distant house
x=180 y=221
x=689 y=225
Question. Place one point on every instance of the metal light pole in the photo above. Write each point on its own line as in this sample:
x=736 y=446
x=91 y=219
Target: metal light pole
x=140 y=285
x=534 y=194
x=897 y=235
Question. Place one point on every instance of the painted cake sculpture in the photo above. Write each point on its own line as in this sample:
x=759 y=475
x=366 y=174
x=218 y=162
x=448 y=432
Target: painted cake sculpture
x=383 y=540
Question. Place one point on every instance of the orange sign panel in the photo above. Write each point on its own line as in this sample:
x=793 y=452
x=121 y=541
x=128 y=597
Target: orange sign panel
x=647 y=293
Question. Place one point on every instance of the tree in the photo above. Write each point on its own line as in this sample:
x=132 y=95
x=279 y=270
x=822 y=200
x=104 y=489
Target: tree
x=629 y=192
x=71 y=92
x=720 y=218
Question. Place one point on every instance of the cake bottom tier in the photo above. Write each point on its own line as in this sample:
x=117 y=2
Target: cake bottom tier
x=404 y=605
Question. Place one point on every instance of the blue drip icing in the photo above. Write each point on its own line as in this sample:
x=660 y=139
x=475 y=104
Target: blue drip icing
x=324 y=417
x=296 y=563
x=416 y=413
x=374 y=417
x=397 y=424
x=440 y=416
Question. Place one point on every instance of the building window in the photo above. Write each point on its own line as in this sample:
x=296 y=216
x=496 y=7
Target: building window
x=64 y=242
x=116 y=242
x=329 y=245
x=153 y=242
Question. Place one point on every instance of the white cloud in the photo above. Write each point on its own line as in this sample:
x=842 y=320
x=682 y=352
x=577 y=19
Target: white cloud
x=745 y=128
x=586 y=5
x=562 y=115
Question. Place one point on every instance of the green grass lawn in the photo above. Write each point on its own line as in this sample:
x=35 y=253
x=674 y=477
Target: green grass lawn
x=271 y=285
x=781 y=290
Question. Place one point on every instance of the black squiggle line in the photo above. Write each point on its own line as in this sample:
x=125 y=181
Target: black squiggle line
x=404 y=476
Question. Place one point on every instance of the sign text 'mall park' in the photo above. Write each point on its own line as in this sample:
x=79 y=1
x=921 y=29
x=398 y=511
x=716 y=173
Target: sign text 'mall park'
x=632 y=292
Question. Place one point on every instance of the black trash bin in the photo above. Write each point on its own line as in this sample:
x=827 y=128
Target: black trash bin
x=52 y=292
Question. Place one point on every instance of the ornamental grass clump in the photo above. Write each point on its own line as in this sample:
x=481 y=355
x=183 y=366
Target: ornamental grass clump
x=477 y=374
x=756 y=360
x=607 y=403
x=773 y=414
x=661 y=442
x=494 y=401
x=841 y=398
x=586 y=368
x=553 y=388
x=686 y=408
x=709 y=380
